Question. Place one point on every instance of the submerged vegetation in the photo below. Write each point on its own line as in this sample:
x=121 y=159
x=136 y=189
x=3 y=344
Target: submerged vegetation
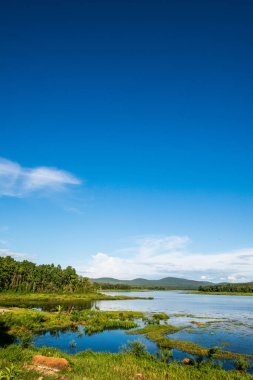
x=158 y=334
x=16 y=360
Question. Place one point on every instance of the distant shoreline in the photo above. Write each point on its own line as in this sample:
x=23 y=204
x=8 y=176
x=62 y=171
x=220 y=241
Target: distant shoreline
x=221 y=293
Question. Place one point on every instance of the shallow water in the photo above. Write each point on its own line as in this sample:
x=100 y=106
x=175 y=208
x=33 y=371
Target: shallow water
x=72 y=342
x=224 y=321
x=113 y=341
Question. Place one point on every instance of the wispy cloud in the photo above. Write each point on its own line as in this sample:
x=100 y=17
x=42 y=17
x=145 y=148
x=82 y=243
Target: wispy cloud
x=18 y=181
x=16 y=255
x=157 y=257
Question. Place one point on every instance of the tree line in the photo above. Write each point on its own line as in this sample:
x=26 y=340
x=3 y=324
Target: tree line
x=236 y=288
x=25 y=276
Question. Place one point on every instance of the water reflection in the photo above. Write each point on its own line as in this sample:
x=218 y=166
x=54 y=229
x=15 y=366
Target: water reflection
x=75 y=341
x=5 y=337
x=52 y=305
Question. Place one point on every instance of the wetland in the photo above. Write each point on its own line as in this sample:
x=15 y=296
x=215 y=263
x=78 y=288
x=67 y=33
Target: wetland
x=186 y=325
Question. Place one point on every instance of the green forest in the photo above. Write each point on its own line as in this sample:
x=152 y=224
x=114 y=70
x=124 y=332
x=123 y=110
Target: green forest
x=25 y=276
x=228 y=288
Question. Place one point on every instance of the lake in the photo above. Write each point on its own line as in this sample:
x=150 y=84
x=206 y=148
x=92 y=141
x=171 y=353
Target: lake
x=238 y=308
x=224 y=321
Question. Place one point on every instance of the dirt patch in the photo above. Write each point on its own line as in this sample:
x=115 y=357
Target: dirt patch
x=3 y=310
x=49 y=362
x=43 y=370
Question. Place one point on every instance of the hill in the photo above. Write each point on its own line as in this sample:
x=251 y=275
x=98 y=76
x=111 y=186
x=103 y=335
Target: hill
x=170 y=283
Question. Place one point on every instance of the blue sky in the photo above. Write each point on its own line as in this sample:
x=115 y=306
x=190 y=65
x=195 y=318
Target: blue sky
x=126 y=136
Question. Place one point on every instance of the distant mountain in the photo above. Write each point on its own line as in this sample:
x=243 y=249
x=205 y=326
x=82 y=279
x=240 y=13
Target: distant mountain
x=167 y=283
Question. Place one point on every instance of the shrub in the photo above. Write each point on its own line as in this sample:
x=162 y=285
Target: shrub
x=212 y=351
x=137 y=348
x=242 y=365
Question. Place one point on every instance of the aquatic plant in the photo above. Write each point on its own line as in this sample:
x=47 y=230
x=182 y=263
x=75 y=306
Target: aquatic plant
x=59 y=309
x=72 y=343
x=242 y=364
x=164 y=355
x=137 y=348
x=157 y=333
x=26 y=340
x=212 y=352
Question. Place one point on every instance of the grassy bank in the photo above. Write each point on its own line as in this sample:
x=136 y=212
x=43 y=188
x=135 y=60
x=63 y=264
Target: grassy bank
x=10 y=297
x=104 y=366
x=22 y=322
x=221 y=293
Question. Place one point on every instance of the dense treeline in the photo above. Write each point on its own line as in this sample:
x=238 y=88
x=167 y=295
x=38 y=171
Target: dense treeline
x=122 y=286
x=235 y=288
x=108 y=286
x=26 y=276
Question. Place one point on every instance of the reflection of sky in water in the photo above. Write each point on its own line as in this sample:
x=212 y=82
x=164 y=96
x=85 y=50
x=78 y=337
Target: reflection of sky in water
x=227 y=322
x=113 y=340
x=238 y=308
x=227 y=340
x=106 y=341
x=231 y=317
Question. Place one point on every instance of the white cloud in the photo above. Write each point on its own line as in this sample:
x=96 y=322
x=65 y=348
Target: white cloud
x=18 y=181
x=16 y=255
x=170 y=256
x=232 y=278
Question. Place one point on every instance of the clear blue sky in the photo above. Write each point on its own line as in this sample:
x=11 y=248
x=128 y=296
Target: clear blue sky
x=126 y=135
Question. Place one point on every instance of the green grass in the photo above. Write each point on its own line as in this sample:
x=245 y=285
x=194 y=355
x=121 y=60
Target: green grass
x=20 y=322
x=9 y=298
x=104 y=366
x=24 y=323
x=220 y=293
x=157 y=333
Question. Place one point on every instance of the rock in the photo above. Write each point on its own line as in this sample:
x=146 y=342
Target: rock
x=186 y=361
x=50 y=362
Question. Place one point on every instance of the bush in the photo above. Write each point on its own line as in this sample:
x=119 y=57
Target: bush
x=137 y=348
x=212 y=351
x=242 y=365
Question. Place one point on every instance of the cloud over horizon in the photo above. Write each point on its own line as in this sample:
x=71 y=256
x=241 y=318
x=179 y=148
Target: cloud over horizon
x=16 y=255
x=157 y=257
x=18 y=181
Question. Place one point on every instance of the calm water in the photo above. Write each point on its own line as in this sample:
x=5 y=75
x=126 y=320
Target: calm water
x=224 y=321
x=50 y=305
x=239 y=308
x=106 y=341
